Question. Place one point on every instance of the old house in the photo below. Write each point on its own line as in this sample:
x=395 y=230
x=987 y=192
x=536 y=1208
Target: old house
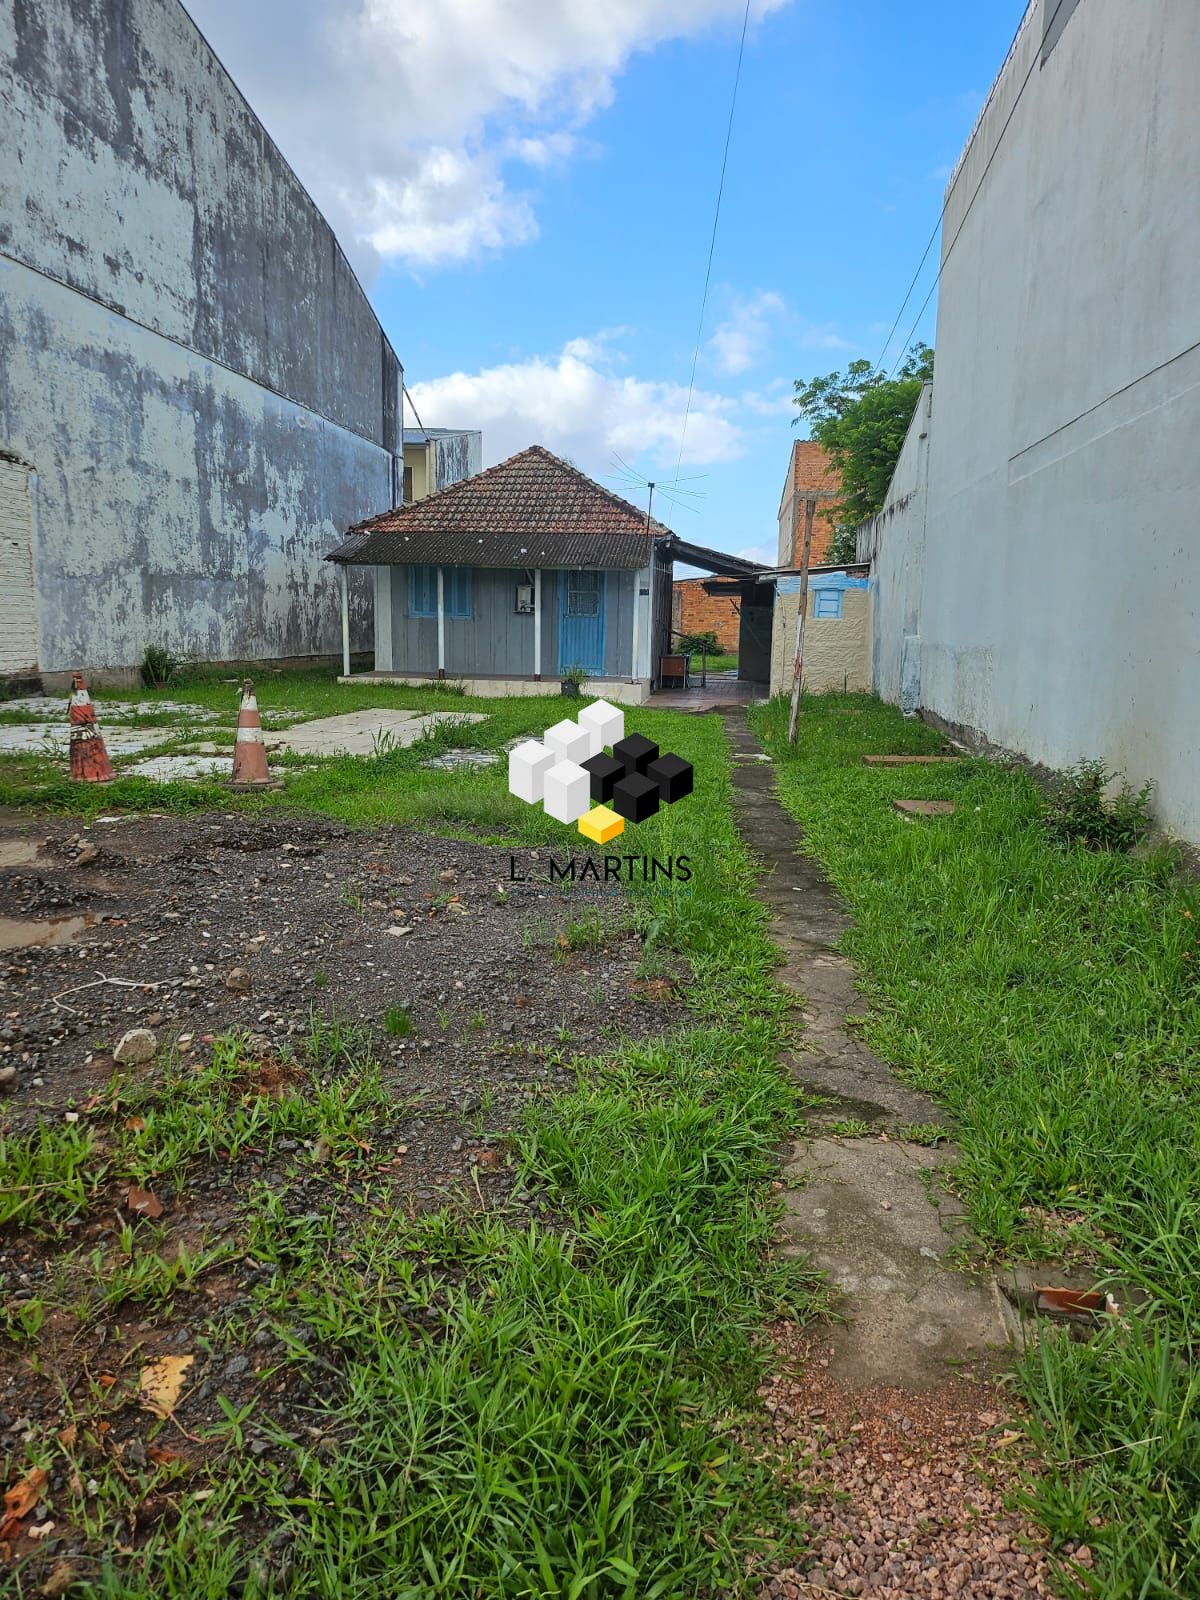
x=514 y=577
x=837 y=630
x=434 y=458
x=1036 y=571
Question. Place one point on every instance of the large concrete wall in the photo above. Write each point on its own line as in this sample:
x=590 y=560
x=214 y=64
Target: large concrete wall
x=189 y=364
x=894 y=544
x=1060 y=603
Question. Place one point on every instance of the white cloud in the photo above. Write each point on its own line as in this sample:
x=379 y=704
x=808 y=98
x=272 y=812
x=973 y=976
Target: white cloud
x=578 y=408
x=761 y=325
x=419 y=124
x=741 y=339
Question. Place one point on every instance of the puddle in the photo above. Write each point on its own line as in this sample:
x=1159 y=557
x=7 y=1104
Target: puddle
x=17 y=933
x=18 y=852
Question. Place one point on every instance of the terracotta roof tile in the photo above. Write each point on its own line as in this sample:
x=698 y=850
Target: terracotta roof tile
x=532 y=500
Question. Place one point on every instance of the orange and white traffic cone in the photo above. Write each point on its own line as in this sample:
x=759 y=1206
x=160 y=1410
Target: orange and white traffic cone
x=250 y=753
x=89 y=758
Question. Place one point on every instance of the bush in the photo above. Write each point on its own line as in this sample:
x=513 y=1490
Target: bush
x=1081 y=811
x=159 y=666
x=699 y=644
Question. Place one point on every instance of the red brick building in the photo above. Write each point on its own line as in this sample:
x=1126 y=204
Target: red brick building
x=693 y=611
x=810 y=476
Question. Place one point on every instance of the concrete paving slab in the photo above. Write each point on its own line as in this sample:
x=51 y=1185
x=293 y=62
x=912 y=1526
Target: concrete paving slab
x=175 y=769
x=42 y=738
x=872 y=1216
x=362 y=733
x=924 y=808
x=869 y=1212
x=53 y=706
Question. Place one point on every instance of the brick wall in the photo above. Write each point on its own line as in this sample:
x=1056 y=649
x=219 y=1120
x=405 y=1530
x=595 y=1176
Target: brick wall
x=18 y=622
x=693 y=611
x=809 y=473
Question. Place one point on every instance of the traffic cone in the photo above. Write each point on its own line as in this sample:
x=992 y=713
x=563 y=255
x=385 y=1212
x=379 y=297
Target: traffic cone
x=89 y=758
x=250 y=753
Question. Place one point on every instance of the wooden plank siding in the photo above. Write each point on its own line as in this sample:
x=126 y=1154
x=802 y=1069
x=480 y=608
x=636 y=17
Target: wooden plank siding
x=497 y=640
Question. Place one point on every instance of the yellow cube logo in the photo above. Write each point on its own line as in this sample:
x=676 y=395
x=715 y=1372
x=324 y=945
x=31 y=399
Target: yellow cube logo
x=601 y=824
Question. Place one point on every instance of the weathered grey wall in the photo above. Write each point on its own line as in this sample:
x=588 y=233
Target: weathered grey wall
x=188 y=361
x=1060 y=602
x=894 y=544
x=457 y=456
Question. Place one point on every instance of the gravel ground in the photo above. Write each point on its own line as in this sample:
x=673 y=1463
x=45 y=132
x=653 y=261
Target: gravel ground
x=223 y=922
x=904 y=1492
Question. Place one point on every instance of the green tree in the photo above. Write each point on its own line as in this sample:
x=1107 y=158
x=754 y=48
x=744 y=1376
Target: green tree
x=860 y=417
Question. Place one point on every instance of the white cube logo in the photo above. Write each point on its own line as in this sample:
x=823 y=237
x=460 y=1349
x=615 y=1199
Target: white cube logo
x=605 y=721
x=567 y=792
x=528 y=765
x=570 y=742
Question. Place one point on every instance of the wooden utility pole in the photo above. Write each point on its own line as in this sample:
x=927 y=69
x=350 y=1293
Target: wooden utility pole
x=810 y=506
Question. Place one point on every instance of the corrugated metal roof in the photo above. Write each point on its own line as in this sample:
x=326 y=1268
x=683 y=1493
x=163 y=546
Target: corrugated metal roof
x=584 y=551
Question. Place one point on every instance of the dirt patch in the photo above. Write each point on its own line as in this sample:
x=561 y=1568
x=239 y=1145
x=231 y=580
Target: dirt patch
x=196 y=926
x=281 y=930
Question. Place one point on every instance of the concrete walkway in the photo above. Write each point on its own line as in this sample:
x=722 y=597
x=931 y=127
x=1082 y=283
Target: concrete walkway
x=868 y=1211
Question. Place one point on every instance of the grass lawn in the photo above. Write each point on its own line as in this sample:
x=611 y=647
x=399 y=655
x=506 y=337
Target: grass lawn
x=1050 y=997
x=498 y=1407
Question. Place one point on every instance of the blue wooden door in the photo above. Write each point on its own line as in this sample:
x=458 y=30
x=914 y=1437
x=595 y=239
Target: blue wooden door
x=581 y=621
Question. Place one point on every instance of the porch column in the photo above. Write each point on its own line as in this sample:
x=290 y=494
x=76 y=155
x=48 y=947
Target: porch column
x=637 y=609
x=537 y=626
x=345 y=622
x=441 y=622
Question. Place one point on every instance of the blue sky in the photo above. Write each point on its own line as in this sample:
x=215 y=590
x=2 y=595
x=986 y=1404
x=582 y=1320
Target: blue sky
x=526 y=188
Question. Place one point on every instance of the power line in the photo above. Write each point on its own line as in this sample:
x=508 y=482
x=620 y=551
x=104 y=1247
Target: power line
x=945 y=203
x=712 y=243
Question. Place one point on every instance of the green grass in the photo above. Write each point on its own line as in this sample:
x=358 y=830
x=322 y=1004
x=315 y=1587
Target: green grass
x=1049 y=996
x=503 y=1409
x=391 y=786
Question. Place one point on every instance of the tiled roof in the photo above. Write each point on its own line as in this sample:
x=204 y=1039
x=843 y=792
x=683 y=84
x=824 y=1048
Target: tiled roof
x=532 y=510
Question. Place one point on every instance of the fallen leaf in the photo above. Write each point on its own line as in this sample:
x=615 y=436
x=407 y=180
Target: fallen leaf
x=62 y=1577
x=162 y=1383
x=20 y=1500
x=68 y=1435
x=143 y=1203
x=163 y=1457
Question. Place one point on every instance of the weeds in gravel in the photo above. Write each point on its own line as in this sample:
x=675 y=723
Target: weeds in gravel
x=1050 y=995
x=397 y=1022
x=48 y=1175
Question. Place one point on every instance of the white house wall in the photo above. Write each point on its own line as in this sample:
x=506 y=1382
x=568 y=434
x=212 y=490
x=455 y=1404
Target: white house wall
x=1059 y=611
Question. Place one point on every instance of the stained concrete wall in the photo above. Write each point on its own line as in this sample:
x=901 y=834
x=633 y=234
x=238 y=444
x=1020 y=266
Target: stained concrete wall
x=189 y=363
x=1060 y=603
x=894 y=544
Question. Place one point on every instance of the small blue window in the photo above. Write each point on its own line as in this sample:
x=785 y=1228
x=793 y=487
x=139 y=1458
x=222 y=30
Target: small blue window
x=828 y=603
x=422 y=591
